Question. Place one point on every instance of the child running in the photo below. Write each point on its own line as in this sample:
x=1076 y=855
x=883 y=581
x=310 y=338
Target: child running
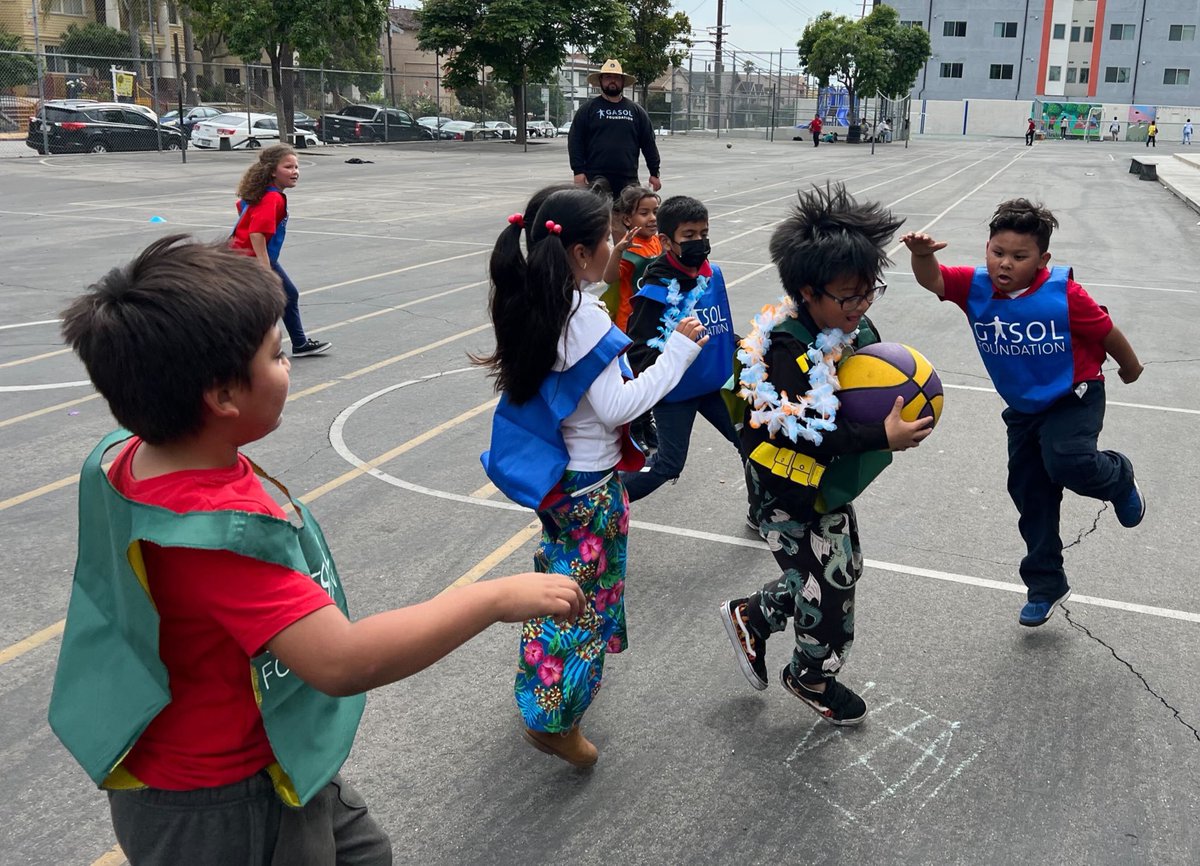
x=559 y=435
x=209 y=678
x=1043 y=340
x=262 y=226
x=682 y=283
x=806 y=465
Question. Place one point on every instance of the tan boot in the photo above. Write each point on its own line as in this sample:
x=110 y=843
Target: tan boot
x=572 y=746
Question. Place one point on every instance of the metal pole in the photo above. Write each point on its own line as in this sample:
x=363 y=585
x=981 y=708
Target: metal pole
x=179 y=102
x=687 y=129
x=154 y=71
x=41 y=79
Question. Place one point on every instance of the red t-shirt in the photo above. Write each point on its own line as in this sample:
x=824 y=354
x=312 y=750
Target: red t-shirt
x=1090 y=322
x=262 y=217
x=216 y=609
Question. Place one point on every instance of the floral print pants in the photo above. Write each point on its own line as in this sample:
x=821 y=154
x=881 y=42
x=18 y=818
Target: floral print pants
x=560 y=665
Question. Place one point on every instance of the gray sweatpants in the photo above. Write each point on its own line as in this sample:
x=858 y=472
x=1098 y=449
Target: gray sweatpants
x=246 y=824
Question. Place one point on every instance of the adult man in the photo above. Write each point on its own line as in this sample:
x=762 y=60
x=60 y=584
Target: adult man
x=608 y=132
x=814 y=127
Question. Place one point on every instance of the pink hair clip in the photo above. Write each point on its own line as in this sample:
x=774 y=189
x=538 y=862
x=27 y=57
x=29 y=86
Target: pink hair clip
x=517 y=220
x=553 y=227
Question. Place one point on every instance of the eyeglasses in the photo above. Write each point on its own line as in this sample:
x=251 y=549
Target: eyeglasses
x=851 y=302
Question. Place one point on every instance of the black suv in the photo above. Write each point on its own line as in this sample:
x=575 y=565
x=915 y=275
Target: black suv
x=97 y=127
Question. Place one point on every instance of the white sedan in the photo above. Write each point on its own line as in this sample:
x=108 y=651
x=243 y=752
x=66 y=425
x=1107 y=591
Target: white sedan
x=244 y=130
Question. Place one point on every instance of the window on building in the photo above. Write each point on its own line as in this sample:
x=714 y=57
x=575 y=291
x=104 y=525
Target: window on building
x=954 y=28
x=1072 y=75
x=1088 y=33
x=1054 y=73
x=1005 y=30
x=66 y=7
x=1119 y=32
x=1182 y=33
x=232 y=75
x=1075 y=31
x=1060 y=31
x=1176 y=76
x=917 y=24
x=1085 y=75
x=172 y=14
x=1116 y=75
x=952 y=70
x=1001 y=71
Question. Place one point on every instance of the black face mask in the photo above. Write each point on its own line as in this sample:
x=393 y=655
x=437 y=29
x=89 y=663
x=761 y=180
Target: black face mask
x=692 y=254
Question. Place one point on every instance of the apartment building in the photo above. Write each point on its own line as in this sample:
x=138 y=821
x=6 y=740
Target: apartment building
x=1110 y=51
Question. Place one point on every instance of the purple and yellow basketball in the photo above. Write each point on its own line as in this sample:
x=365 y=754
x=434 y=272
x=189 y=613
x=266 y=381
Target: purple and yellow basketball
x=873 y=377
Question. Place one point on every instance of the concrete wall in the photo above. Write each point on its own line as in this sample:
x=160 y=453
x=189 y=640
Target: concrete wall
x=1008 y=118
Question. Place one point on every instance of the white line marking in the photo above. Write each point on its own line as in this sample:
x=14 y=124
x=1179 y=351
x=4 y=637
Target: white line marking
x=50 y=387
x=338 y=441
x=30 y=324
x=1175 y=409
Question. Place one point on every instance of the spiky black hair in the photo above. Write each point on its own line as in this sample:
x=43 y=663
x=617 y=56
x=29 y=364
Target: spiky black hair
x=1022 y=216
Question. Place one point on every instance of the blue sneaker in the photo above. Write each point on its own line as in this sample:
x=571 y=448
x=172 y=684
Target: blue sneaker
x=1131 y=505
x=1034 y=613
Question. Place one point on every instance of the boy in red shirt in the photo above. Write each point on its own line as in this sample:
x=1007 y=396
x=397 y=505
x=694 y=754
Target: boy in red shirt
x=1042 y=339
x=209 y=676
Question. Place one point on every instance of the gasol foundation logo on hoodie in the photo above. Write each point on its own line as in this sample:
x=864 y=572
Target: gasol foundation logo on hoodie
x=614 y=114
x=999 y=337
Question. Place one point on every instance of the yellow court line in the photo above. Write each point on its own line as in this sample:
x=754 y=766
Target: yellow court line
x=20 y=361
x=34 y=641
x=487 y=491
x=48 y=410
x=41 y=491
x=114 y=856
x=497 y=556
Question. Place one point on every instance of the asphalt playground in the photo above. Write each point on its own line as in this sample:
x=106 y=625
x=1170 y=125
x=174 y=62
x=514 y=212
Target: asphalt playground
x=986 y=742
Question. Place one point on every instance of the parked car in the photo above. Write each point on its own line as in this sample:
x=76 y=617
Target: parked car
x=243 y=131
x=505 y=130
x=565 y=129
x=461 y=129
x=191 y=116
x=541 y=128
x=97 y=127
x=433 y=122
x=371 y=123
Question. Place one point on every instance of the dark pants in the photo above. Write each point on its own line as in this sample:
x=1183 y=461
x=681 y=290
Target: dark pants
x=246 y=824
x=1029 y=137
x=1047 y=452
x=615 y=183
x=821 y=564
x=816 y=139
x=674 y=424
x=291 y=313
x=1151 y=141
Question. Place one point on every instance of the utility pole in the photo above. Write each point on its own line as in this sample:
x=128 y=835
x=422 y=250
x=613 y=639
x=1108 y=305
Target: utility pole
x=717 y=65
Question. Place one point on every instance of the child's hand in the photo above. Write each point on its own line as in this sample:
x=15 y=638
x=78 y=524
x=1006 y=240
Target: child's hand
x=1129 y=375
x=921 y=244
x=624 y=243
x=901 y=434
x=527 y=596
x=693 y=330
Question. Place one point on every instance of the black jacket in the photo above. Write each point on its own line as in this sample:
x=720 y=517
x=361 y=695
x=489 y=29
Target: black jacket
x=606 y=136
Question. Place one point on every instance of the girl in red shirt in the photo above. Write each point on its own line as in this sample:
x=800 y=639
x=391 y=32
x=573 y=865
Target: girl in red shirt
x=262 y=226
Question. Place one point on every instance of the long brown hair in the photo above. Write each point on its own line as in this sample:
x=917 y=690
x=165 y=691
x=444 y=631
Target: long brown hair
x=262 y=174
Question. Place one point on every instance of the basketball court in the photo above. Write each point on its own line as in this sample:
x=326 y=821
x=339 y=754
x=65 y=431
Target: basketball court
x=986 y=742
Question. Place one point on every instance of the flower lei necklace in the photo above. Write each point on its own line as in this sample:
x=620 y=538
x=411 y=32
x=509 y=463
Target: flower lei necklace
x=774 y=408
x=677 y=312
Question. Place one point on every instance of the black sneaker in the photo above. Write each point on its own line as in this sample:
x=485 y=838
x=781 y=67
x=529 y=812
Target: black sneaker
x=837 y=705
x=310 y=347
x=748 y=647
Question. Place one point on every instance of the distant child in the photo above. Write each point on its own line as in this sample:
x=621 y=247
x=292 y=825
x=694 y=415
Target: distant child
x=262 y=226
x=678 y=284
x=1043 y=340
x=635 y=213
x=209 y=677
x=559 y=437
x=815 y=126
x=1114 y=128
x=805 y=464
x=1152 y=135
x=1029 y=131
x=1187 y=132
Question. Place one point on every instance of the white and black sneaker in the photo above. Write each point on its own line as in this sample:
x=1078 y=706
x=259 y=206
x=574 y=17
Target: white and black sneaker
x=837 y=705
x=747 y=645
x=310 y=347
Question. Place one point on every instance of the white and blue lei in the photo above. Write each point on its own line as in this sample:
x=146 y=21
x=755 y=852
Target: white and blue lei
x=679 y=307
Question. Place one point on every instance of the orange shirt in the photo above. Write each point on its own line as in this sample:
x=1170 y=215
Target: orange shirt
x=648 y=248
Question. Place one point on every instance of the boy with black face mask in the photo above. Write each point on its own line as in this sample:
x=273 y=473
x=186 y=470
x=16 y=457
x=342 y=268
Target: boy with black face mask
x=681 y=283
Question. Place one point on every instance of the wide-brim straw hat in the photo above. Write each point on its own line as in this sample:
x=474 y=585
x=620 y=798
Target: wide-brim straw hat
x=610 y=67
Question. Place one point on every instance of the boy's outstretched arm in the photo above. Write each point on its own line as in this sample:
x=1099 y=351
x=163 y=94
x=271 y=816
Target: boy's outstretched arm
x=924 y=261
x=340 y=657
x=1129 y=368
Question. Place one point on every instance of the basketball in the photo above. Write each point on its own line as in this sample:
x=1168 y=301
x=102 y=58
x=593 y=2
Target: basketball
x=872 y=378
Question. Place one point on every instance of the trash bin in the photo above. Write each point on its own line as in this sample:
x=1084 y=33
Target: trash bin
x=469 y=135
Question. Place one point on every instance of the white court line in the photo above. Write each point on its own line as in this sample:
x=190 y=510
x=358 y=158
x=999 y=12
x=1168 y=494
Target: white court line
x=50 y=387
x=338 y=441
x=1152 y=408
x=30 y=324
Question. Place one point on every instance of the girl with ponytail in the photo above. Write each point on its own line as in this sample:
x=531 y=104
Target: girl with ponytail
x=559 y=437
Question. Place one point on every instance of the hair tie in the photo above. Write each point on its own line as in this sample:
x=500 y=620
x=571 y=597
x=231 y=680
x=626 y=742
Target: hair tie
x=553 y=227
x=517 y=220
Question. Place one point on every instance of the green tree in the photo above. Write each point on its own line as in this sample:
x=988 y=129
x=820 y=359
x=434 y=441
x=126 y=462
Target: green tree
x=655 y=30
x=518 y=40
x=98 y=46
x=15 y=69
x=280 y=28
x=834 y=47
x=905 y=49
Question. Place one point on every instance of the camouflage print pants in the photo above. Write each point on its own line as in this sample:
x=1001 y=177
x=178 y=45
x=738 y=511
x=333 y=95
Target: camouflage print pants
x=821 y=563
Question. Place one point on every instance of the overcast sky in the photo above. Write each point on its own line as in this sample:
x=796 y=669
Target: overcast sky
x=762 y=25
